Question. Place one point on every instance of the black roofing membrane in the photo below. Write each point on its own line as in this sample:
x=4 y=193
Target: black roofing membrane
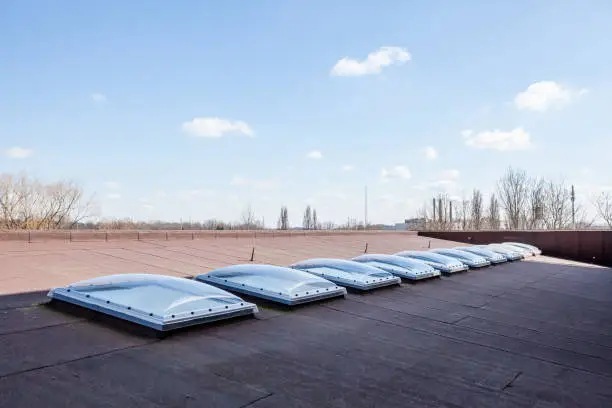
x=515 y=335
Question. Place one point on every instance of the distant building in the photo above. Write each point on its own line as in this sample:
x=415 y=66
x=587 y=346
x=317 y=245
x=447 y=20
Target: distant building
x=413 y=224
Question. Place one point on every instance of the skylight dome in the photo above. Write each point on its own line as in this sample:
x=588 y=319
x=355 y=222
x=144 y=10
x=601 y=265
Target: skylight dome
x=402 y=267
x=275 y=283
x=510 y=253
x=489 y=255
x=534 y=249
x=442 y=263
x=348 y=273
x=470 y=259
x=156 y=301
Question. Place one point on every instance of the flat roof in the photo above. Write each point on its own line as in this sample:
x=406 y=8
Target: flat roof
x=535 y=333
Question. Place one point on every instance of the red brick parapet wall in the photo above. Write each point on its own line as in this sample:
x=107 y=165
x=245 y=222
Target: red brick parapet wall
x=585 y=246
x=167 y=235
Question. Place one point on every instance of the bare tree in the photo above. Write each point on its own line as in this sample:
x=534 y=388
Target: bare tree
x=351 y=224
x=283 y=219
x=464 y=213
x=603 y=204
x=248 y=220
x=494 y=217
x=307 y=220
x=26 y=203
x=477 y=211
x=315 y=221
x=443 y=217
x=328 y=225
x=534 y=217
x=423 y=214
x=557 y=204
x=513 y=188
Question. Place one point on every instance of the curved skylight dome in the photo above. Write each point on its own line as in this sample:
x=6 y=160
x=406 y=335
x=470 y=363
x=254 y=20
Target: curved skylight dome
x=348 y=273
x=275 y=283
x=157 y=301
x=526 y=249
x=403 y=267
x=523 y=251
x=471 y=260
x=487 y=254
x=440 y=262
x=510 y=253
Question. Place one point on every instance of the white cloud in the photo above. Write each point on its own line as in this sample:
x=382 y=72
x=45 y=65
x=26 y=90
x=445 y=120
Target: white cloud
x=544 y=95
x=113 y=196
x=238 y=181
x=373 y=64
x=348 y=167
x=315 y=154
x=515 y=139
x=18 y=152
x=451 y=174
x=430 y=153
x=98 y=97
x=264 y=184
x=446 y=180
x=396 y=172
x=148 y=206
x=215 y=127
x=111 y=185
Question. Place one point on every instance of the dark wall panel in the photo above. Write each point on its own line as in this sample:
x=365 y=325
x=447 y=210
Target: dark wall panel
x=586 y=246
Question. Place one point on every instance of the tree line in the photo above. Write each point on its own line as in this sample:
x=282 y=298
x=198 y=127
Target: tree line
x=519 y=201
x=27 y=203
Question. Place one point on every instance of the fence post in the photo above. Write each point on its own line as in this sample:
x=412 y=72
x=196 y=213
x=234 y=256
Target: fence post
x=105 y=236
x=138 y=235
x=70 y=235
x=253 y=254
x=29 y=237
x=166 y=235
x=192 y=237
x=366 y=249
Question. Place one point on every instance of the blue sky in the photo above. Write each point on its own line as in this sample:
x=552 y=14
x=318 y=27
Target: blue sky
x=200 y=108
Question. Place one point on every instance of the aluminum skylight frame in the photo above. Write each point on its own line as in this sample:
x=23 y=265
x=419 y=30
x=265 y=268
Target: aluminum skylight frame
x=448 y=266
x=267 y=276
x=493 y=257
x=208 y=303
x=402 y=267
x=351 y=274
x=471 y=260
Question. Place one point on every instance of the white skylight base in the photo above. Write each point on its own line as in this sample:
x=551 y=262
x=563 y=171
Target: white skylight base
x=404 y=273
x=456 y=269
x=363 y=283
x=311 y=295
